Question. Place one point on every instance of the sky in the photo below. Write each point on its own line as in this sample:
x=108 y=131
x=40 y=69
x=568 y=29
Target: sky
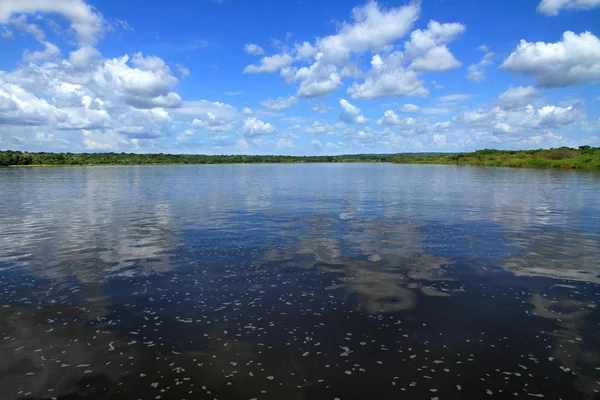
x=302 y=77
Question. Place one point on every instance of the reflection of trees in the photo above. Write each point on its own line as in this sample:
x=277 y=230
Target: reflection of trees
x=380 y=261
x=557 y=254
x=570 y=342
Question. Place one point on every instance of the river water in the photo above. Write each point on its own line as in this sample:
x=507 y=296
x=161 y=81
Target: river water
x=325 y=281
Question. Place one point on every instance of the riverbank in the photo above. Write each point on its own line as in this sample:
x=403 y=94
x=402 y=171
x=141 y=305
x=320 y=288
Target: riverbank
x=17 y=158
x=585 y=157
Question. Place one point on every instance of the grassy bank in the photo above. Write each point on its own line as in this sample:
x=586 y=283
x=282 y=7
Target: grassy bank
x=585 y=157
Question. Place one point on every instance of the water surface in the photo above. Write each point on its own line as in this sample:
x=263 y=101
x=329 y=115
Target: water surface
x=347 y=281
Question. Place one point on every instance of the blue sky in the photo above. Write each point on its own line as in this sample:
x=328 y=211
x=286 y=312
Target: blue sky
x=304 y=77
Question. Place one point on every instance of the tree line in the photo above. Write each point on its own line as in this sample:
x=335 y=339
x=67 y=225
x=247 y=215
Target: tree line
x=584 y=157
x=16 y=158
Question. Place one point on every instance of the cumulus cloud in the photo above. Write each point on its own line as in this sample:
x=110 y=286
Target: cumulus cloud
x=253 y=49
x=372 y=29
x=351 y=113
x=321 y=127
x=305 y=50
x=409 y=108
x=427 y=48
x=50 y=52
x=21 y=24
x=269 y=64
x=255 y=127
x=388 y=78
x=318 y=80
x=389 y=118
x=19 y=107
x=83 y=57
x=476 y=72
x=321 y=108
x=280 y=103
x=212 y=123
x=87 y=23
x=552 y=7
x=517 y=96
x=412 y=125
x=574 y=60
x=525 y=119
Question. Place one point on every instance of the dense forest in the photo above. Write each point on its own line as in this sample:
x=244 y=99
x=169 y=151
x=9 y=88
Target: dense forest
x=585 y=157
x=17 y=158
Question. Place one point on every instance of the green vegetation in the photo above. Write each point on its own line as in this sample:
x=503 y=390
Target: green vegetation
x=585 y=157
x=17 y=158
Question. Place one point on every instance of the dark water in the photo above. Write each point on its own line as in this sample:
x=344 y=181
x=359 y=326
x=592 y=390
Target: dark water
x=356 y=281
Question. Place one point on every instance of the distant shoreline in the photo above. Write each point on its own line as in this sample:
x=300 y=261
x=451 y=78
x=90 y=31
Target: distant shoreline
x=585 y=158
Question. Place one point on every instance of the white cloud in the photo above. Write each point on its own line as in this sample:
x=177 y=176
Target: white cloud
x=351 y=113
x=305 y=50
x=242 y=144
x=19 y=107
x=321 y=108
x=285 y=144
x=517 y=96
x=85 y=21
x=454 y=97
x=255 y=127
x=83 y=57
x=552 y=7
x=389 y=118
x=476 y=72
x=317 y=144
x=349 y=108
x=439 y=140
x=373 y=29
x=281 y=103
x=201 y=108
x=270 y=64
x=253 y=49
x=183 y=71
x=409 y=108
x=523 y=119
x=388 y=78
x=212 y=123
x=411 y=125
x=247 y=111
x=436 y=59
x=428 y=50
x=321 y=127
x=575 y=60
x=50 y=52
x=20 y=23
x=316 y=81
x=436 y=110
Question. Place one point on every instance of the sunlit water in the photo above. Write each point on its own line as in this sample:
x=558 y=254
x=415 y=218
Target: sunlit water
x=353 y=281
